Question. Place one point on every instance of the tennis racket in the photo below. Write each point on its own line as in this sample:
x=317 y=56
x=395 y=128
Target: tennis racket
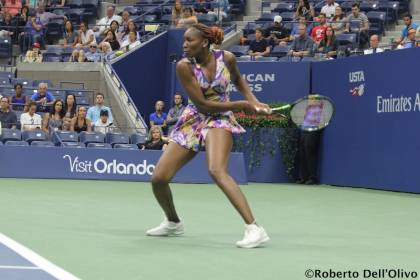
x=310 y=113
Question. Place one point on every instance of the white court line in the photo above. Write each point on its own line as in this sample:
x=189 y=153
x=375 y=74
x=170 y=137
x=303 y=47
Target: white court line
x=37 y=259
x=19 y=267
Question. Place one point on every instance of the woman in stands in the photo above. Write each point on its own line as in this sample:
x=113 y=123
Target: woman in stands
x=156 y=141
x=71 y=37
x=304 y=9
x=339 y=21
x=18 y=101
x=207 y=122
x=111 y=38
x=53 y=120
x=188 y=18
x=132 y=27
x=329 y=44
x=177 y=12
x=69 y=110
x=80 y=122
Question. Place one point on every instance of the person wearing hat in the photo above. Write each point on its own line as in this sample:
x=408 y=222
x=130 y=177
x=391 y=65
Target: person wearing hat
x=103 y=124
x=34 y=55
x=276 y=34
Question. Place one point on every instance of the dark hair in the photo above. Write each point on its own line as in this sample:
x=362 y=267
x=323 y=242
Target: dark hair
x=18 y=84
x=306 y=4
x=355 y=5
x=338 y=17
x=103 y=112
x=325 y=40
x=118 y=25
x=408 y=15
x=322 y=14
x=101 y=94
x=73 y=107
x=214 y=34
x=85 y=23
x=127 y=30
x=114 y=37
x=31 y=103
x=71 y=26
x=62 y=112
x=259 y=29
x=188 y=9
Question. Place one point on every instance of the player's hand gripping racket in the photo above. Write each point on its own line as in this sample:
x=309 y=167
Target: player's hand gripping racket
x=310 y=113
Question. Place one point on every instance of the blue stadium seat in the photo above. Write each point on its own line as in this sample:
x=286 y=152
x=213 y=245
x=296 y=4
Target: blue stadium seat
x=91 y=137
x=346 y=39
x=239 y=50
x=243 y=58
x=74 y=3
x=132 y=10
x=42 y=144
x=267 y=58
x=8 y=75
x=99 y=145
x=267 y=17
x=138 y=138
x=73 y=145
x=34 y=135
x=1 y=143
x=4 y=81
x=82 y=101
x=24 y=82
x=166 y=19
x=17 y=143
x=58 y=94
x=125 y=146
x=5 y=48
x=284 y=7
x=288 y=16
x=116 y=138
x=208 y=19
x=376 y=22
x=52 y=57
x=10 y=134
x=64 y=136
x=55 y=30
x=280 y=51
x=91 y=8
x=249 y=28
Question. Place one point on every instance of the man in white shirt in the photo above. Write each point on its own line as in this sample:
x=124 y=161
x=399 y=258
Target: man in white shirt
x=30 y=120
x=329 y=8
x=105 y=22
x=374 y=43
x=131 y=43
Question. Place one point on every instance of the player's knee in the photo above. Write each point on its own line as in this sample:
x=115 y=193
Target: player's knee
x=216 y=173
x=159 y=179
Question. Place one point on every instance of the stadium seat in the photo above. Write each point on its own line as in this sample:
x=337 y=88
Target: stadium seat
x=91 y=8
x=132 y=10
x=208 y=19
x=34 y=135
x=267 y=58
x=91 y=137
x=116 y=138
x=64 y=136
x=17 y=143
x=5 y=48
x=24 y=82
x=280 y=51
x=73 y=145
x=1 y=143
x=42 y=144
x=249 y=28
x=288 y=16
x=99 y=145
x=4 y=81
x=376 y=22
x=243 y=58
x=266 y=17
x=239 y=50
x=8 y=75
x=54 y=30
x=10 y=134
x=345 y=39
x=51 y=58
x=74 y=3
x=126 y=146
x=138 y=138
x=284 y=7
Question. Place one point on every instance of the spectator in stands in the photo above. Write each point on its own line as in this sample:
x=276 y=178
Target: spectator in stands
x=177 y=12
x=18 y=100
x=71 y=36
x=12 y=7
x=8 y=118
x=188 y=18
x=259 y=47
x=410 y=41
x=69 y=110
x=111 y=38
x=80 y=122
x=104 y=23
x=200 y=7
x=74 y=56
x=44 y=16
x=33 y=55
x=34 y=33
x=158 y=118
x=32 y=3
x=8 y=28
x=408 y=21
x=374 y=43
x=339 y=21
x=156 y=141
x=86 y=35
x=329 y=9
x=30 y=120
x=318 y=32
x=276 y=34
x=124 y=22
x=329 y=44
x=357 y=22
x=94 y=111
x=132 y=26
x=43 y=98
x=175 y=112
x=114 y=26
x=222 y=9
x=295 y=29
x=53 y=120
x=305 y=9
x=105 y=48
x=93 y=55
x=302 y=45
x=102 y=124
x=82 y=56
x=131 y=43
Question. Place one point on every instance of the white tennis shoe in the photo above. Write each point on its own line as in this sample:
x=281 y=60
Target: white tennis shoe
x=254 y=236
x=167 y=228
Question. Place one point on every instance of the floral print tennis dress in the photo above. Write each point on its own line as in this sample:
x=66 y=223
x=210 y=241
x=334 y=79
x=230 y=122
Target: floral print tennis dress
x=191 y=129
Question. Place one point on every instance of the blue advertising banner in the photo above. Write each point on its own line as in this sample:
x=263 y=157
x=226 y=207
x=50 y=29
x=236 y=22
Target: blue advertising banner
x=103 y=164
x=373 y=140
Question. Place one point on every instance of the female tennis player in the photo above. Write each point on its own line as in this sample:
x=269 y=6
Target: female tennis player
x=208 y=120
